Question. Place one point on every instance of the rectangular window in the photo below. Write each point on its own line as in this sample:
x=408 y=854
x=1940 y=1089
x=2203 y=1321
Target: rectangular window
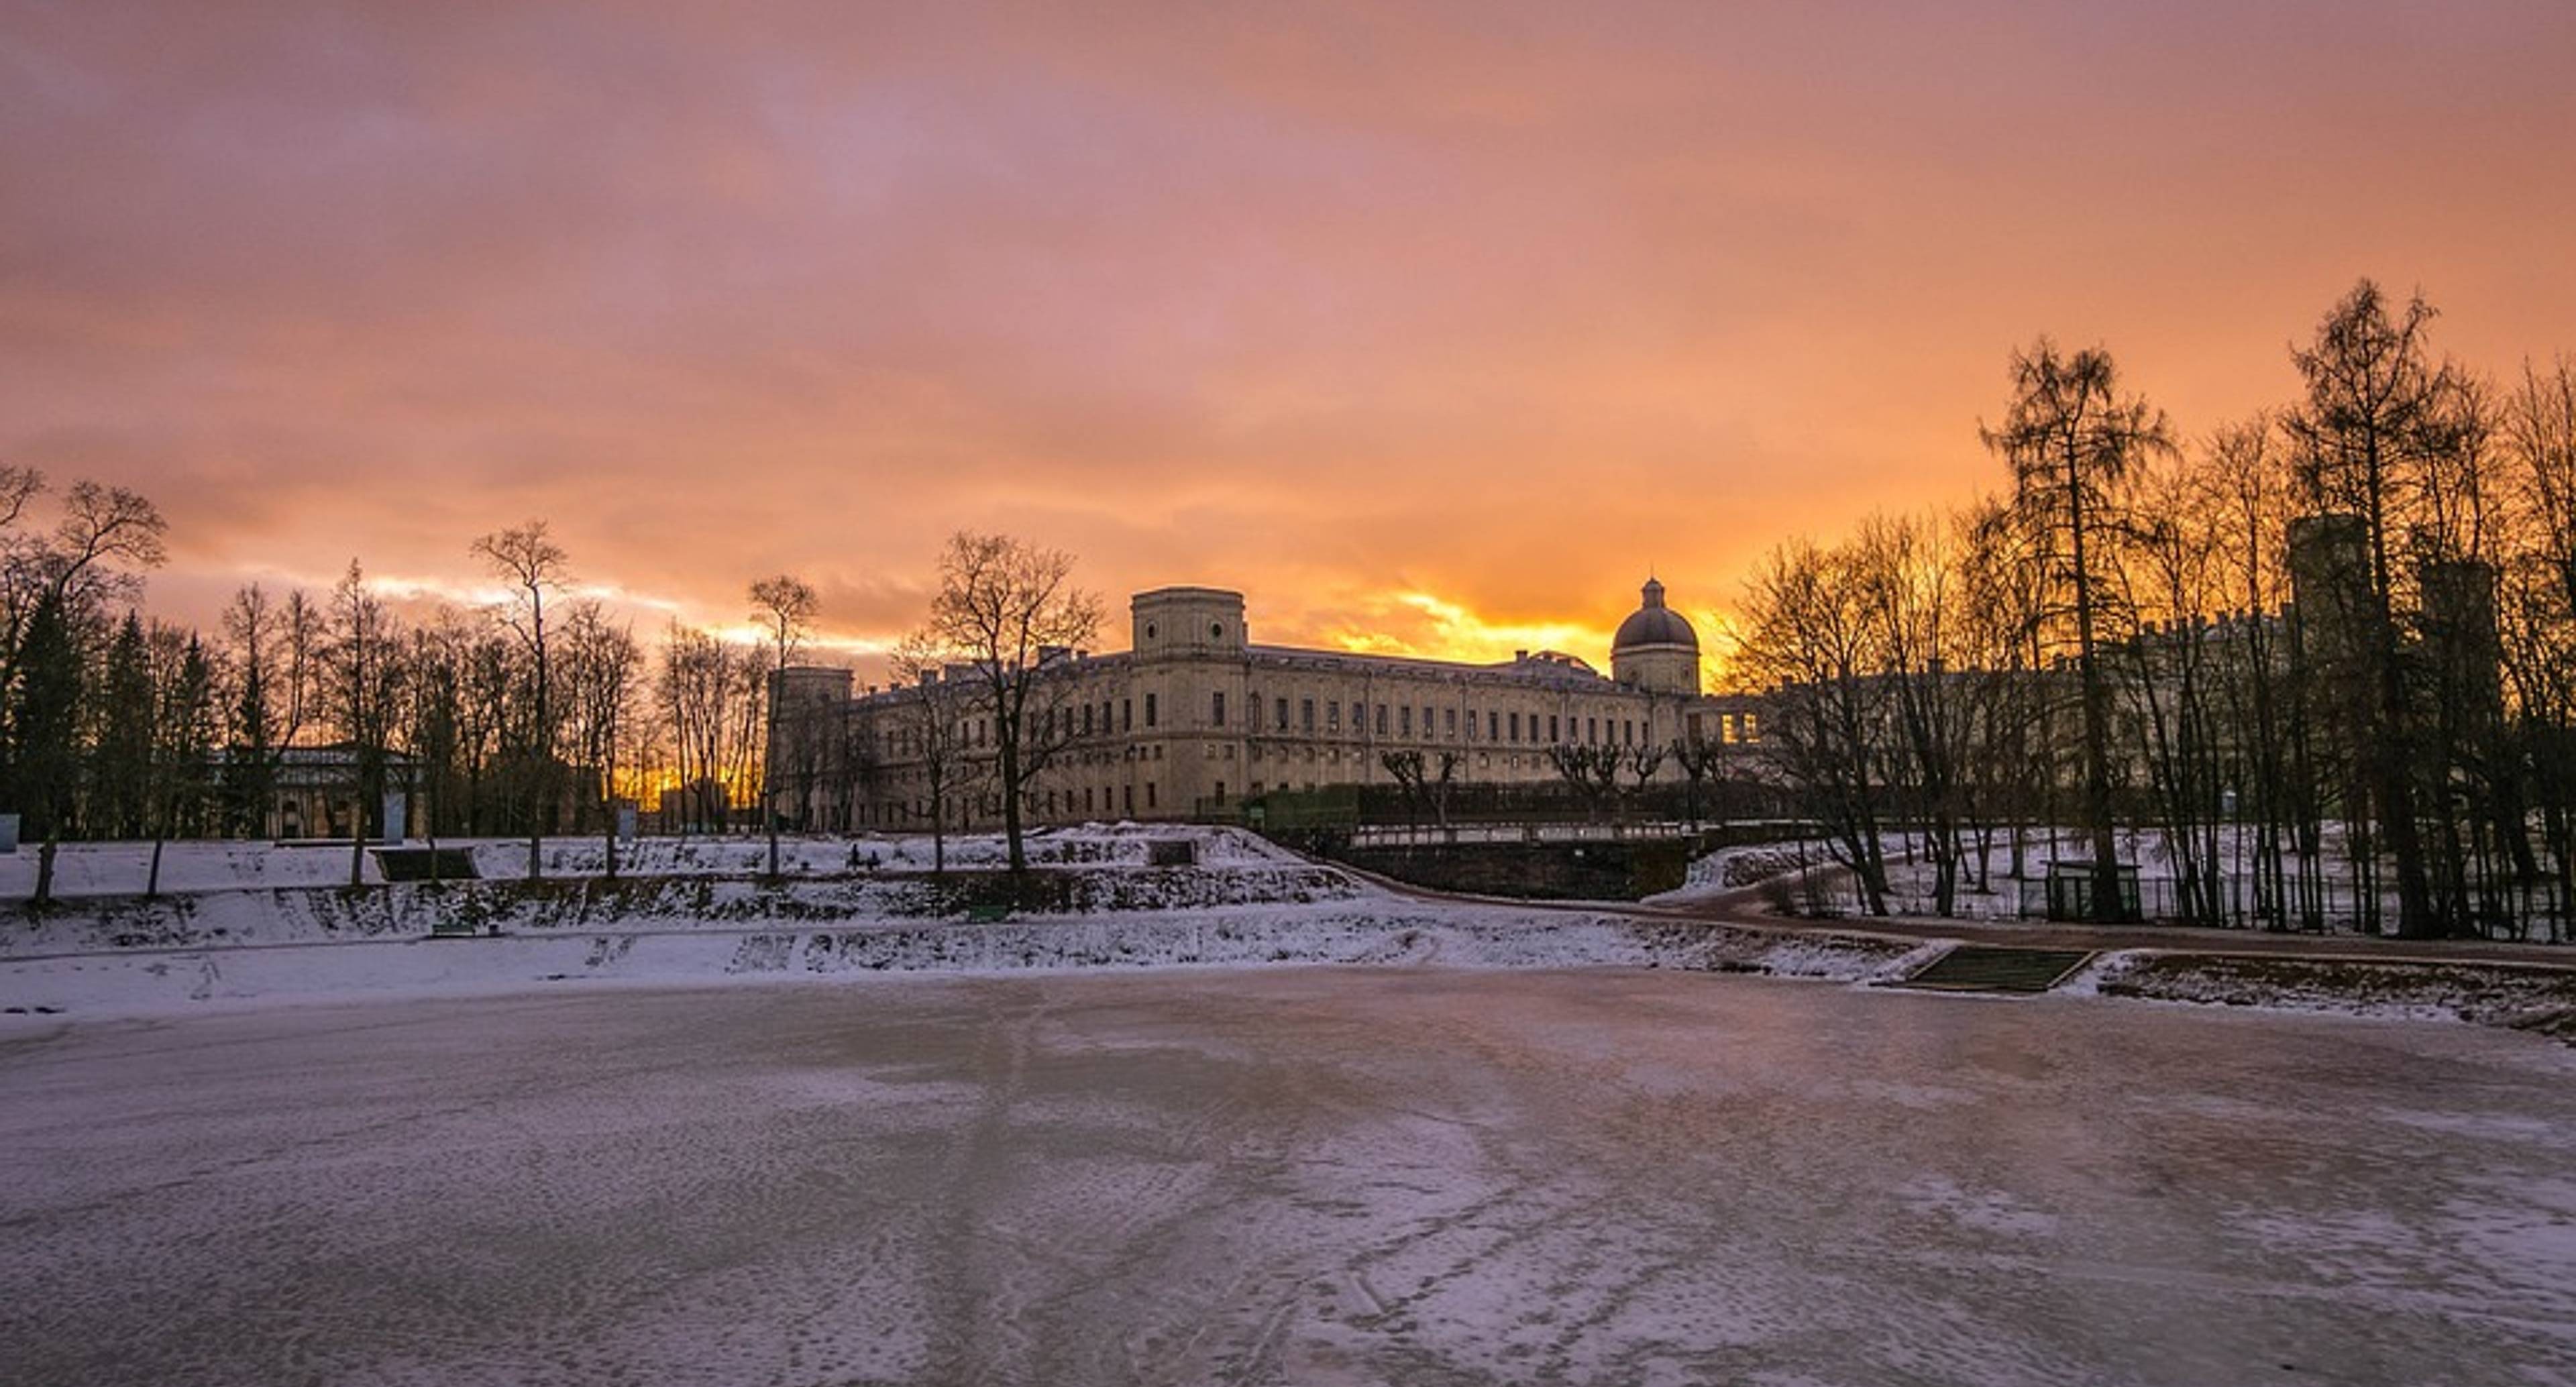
x=1628 y=732
x=1126 y=715
x=1359 y=718
x=1086 y=719
x=1493 y=726
x=1428 y=726
x=1516 y=727
x=1129 y=796
x=1333 y=716
x=1283 y=715
x=1306 y=713
x=1381 y=719
x=1220 y=792
x=1551 y=727
x=1408 y=719
x=1149 y=794
x=1592 y=730
x=1453 y=724
x=1216 y=710
x=1149 y=710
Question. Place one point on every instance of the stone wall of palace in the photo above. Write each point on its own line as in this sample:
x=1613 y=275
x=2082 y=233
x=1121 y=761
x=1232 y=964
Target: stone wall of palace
x=1193 y=719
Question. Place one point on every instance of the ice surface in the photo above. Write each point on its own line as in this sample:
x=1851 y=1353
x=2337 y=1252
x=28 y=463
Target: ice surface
x=1417 y=1175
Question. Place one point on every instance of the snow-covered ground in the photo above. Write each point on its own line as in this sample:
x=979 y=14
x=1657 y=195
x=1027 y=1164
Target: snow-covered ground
x=693 y=911
x=114 y=869
x=1728 y=870
x=1368 y=930
x=2540 y=1000
x=1320 y=1176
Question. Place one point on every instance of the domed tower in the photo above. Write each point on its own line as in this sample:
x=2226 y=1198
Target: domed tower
x=1656 y=649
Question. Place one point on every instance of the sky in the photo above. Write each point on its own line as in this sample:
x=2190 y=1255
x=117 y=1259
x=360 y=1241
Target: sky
x=1431 y=327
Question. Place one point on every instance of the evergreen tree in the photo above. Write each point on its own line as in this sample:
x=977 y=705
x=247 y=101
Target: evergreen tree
x=121 y=765
x=44 y=737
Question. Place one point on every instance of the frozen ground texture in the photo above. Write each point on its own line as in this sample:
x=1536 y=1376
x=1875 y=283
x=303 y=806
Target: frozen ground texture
x=1417 y=1176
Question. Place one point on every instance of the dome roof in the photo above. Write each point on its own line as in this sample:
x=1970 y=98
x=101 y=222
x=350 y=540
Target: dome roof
x=1654 y=624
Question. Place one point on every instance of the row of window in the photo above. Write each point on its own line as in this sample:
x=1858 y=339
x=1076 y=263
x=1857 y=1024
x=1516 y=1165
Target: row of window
x=1090 y=799
x=1096 y=719
x=1397 y=721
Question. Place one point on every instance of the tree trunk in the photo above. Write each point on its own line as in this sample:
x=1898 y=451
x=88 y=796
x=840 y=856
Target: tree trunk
x=45 y=867
x=358 y=837
x=1008 y=735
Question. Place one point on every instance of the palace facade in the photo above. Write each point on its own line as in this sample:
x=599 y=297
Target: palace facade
x=1195 y=717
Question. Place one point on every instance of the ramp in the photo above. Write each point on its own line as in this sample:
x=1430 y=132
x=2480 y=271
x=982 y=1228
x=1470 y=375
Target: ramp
x=1997 y=968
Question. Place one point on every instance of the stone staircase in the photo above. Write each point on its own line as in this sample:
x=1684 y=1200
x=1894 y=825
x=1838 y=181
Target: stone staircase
x=1996 y=968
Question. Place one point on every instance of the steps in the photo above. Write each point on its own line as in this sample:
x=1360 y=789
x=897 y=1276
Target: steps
x=1996 y=968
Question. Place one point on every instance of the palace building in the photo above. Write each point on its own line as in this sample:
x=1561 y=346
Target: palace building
x=1195 y=717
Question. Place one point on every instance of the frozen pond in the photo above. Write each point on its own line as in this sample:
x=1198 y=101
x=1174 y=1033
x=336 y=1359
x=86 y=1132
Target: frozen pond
x=1306 y=1176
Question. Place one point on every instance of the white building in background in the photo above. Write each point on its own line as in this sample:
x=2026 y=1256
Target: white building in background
x=1195 y=717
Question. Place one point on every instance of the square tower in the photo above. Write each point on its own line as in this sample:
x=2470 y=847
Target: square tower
x=1178 y=623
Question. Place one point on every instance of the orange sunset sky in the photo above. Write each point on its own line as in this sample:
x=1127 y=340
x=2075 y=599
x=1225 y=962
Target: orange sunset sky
x=1430 y=327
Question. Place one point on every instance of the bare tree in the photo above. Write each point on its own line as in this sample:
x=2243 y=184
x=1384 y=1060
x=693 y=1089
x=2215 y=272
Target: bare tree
x=1807 y=639
x=1703 y=761
x=1592 y=770
x=1907 y=575
x=711 y=698
x=104 y=536
x=2003 y=608
x=2070 y=436
x=1427 y=779
x=19 y=569
x=2539 y=607
x=534 y=565
x=2378 y=419
x=271 y=649
x=931 y=719
x=601 y=662
x=1639 y=763
x=2246 y=483
x=1002 y=603
x=365 y=672
x=784 y=604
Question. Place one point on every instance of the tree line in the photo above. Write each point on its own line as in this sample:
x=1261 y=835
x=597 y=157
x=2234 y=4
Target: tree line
x=529 y=717
x=2318 y=666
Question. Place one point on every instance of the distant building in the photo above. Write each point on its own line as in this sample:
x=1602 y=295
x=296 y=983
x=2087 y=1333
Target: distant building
x=1195 y=716
x=315 y=792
